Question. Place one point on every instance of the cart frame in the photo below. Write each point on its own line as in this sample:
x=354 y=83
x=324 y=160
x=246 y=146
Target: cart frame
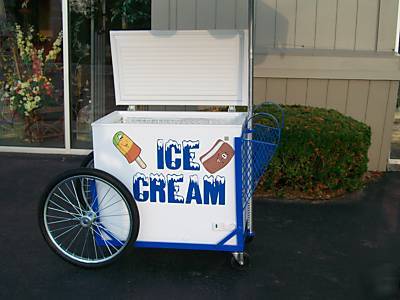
x=250 y=164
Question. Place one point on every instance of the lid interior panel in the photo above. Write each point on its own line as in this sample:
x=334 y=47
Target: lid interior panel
x=180 y=67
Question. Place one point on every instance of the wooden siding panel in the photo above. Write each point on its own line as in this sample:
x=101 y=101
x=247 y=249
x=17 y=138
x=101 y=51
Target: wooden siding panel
x=367 y=24
x=305 y=23
x=388 y=19
x=286 y=24
x=226 y=14
x=260 y=86
x=276 y=90
x=265 y=26
x=346 y=24
x=326 y=24
x=242 y=14
x=186 y=14
x=357 y=99
x=375 y=117
x=160 y=14
x=388 y=127
x=337 y=95
x=296 y=91
x=205 y=14
x=317 y=93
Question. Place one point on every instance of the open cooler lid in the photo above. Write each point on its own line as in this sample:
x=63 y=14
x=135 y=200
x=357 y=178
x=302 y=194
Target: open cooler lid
x=180 y=67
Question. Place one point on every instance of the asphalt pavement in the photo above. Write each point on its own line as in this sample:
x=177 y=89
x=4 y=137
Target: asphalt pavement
x=347 y=249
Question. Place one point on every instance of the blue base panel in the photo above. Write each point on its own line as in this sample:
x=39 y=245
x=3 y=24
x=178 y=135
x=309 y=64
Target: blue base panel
x=210 y=247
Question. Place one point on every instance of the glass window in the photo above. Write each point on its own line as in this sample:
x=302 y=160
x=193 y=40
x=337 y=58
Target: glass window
x=91 y=81
x=31 y=73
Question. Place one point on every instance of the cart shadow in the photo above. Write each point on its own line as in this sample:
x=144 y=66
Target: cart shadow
x=172 y=261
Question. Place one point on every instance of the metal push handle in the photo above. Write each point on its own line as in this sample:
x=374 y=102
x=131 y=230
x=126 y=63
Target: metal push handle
x=282 y=113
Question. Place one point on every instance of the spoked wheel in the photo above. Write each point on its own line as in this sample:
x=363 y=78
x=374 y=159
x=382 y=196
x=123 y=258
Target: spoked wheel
x=88 y=161
x=91 y=225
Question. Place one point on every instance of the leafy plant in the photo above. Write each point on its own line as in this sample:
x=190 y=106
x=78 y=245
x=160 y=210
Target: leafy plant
x=322 y=152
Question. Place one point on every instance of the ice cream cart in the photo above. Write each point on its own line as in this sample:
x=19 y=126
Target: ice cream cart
x=181 y=180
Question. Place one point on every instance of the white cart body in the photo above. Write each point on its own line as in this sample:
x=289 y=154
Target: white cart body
x=185 y=196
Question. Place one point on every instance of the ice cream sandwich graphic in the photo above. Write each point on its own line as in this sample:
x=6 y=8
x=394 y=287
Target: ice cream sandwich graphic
x=128 y=148
x=217 y=157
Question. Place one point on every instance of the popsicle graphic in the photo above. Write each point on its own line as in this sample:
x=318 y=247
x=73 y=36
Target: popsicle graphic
x=128 y=148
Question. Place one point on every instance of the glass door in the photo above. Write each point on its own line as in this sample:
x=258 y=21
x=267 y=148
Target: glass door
x=91 y=80
x=31 y=74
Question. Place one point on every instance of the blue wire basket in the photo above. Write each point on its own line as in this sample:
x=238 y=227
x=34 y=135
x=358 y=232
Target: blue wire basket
x=260 y=139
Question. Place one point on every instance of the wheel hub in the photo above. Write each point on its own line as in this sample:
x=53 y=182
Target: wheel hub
x=88 y=219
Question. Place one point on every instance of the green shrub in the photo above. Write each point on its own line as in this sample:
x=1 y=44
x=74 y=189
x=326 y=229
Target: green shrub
x=321 y=153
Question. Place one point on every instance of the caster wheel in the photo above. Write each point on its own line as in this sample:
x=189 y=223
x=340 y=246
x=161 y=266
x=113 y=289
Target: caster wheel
x=90 y=230
x=88 y=161
x=240 y=265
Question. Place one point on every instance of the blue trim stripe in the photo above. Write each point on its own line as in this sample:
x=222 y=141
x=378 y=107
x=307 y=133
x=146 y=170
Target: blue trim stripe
x=210 y=247
x=228 y=237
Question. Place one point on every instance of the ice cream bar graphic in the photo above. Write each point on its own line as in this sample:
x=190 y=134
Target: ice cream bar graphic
x=128 y=148
x=217 y=157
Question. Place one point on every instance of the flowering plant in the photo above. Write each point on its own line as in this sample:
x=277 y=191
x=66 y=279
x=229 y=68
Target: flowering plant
x=29 y=88
x=27 y=96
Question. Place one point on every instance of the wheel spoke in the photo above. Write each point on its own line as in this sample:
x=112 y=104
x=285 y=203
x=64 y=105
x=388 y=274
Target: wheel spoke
x=63 y=210
x=62 y=221
x=83 y=196
x=73 y=206
x=58 y=217
x=120 y=215
x=109 y=232
x=94 y=242
x=111 y=224
x=110 y=243
x=73 y=240
x=84 y=243
x=67 y=201
x=65 y=232
x=105 y=242
x=76 y=196
x=108 y=206
x=101 y=201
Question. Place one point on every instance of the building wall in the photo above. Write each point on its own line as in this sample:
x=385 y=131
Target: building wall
x=327 y=53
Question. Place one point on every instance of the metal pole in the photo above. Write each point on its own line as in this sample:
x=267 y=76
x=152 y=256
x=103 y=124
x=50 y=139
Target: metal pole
x=251 y=28
x=250 y=102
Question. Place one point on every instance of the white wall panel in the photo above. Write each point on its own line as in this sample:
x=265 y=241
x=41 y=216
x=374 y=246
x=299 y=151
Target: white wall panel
x=173 y=6
x=286 y=23
x=326 y=24
x=266 y=23
x=305 y=23
x=160 y=14
x=346 y=24
x=205 y=14
x=186 y=14
x=367 y=24
x=388 y=25
x=242 y=14
x=226 y=14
